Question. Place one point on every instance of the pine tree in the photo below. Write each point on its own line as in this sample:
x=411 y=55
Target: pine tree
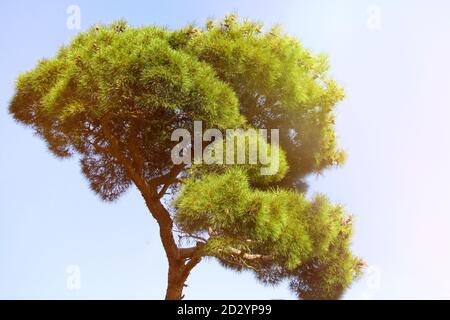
x=114 y=96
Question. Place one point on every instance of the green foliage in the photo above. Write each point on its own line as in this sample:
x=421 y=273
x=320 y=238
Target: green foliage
x=279 y=84
x=115 y=94
x=307 y=240
x=222 y=204
x=132 y=80
x=244 y=142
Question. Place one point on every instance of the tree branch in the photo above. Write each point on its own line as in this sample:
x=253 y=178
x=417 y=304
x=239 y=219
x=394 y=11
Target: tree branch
x=250 y=256
x=168 y=179
x=194 y=258
x=149 y=194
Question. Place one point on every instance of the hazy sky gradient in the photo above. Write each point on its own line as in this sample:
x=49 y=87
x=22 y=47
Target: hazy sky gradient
x=394 y=124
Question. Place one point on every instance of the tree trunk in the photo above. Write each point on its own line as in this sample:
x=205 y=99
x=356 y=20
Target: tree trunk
x=178 y=270
x=175 y=281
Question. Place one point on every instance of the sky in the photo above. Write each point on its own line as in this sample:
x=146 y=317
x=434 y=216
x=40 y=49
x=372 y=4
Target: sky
x=392 y=59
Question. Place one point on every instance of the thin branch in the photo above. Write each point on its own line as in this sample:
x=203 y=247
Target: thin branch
x=250 y=256
x=183 y=234
x=170 y=177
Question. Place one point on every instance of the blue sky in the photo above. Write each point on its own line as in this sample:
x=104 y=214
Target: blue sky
x=393 y=124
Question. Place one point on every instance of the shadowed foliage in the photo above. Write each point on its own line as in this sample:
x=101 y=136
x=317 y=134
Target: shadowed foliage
x=114 y=96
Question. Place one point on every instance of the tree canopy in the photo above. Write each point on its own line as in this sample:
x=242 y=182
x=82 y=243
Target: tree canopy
x=116 y=93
